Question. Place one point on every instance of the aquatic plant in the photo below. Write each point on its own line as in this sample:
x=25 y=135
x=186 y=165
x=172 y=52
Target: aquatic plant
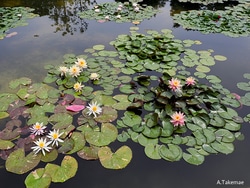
x=167 y=110
x=130 y=11
x=12 y=17
x=234 y=21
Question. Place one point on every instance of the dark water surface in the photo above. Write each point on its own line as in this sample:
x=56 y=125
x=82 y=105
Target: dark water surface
x=59 y=31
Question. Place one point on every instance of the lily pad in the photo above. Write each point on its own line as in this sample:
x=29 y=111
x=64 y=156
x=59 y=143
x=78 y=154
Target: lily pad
x=18 y=163
x=38 y=178
x=64 y=172
x=107 y=135
x=118 y=160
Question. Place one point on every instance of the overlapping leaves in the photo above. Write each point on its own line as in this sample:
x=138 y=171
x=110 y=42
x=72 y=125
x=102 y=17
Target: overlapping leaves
x=234 y=21
x=13 y=17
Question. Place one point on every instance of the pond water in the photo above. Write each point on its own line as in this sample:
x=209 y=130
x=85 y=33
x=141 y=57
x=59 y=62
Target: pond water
x=58 y=30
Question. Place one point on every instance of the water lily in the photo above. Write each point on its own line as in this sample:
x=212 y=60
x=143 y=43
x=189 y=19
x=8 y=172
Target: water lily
x=41 y=145
x=63 y=70
x=78 y=86
x=190 y=81
x=107 y=18
x=38 y=129
x=175 y=84
x=94 y=76
x=54 y=136
x=135 y=4
x=136 y=9
x=97 y=10
x=118 y=16
x=178 y=118
x=74 y=71
x=81 y=63
x=94 y=109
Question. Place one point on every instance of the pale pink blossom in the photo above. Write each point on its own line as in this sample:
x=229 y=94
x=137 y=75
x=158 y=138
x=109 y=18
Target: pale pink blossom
x=175 y=84
x=190 y=81
x=178 y=118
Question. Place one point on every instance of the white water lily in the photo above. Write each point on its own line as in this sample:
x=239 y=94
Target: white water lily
x=63 y=70
x=54 y=136
x=74 y=71
x=41 y=145
x=94 y=76
x=94 y=109
x=82 y=63
x=37 y=129
x=78 y=87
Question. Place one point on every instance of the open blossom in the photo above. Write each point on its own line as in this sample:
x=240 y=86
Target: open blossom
x=175 y=84
x=94 y=76
x=81 y=63
x=97 y=10
x=178 y=118
x=136 y=9
x=107 y=18
x=41 y=145
x=78 y=86
x=38 y=129
x=63 y=70
x=118 y=16
x=54 y=136
x=94 y=109
x=74 y=71
x=190 y=81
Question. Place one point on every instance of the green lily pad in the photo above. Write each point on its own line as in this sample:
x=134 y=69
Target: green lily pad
x=152 y=151
x=193 y=157
x=107 y=135
x=21 y=81
x=89 y=153
x=38 y=178
x=3 y=115
x=6 y=144
x=18 y=163
x=118 y=160
x=109 y=114
x=64 y=172
x=171 y=152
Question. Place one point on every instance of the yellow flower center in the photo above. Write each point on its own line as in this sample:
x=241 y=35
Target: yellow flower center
x=38 y=127
x=55 y=136
x=41 y=144
x=94 y=108
x=74 y=70
x=176 y=83
x=177 y=117
x=82 y=63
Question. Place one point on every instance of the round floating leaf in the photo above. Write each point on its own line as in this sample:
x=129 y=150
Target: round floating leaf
x=220 y=58
x=107 y=135
x=222 y=147
x=152 y=151
x=98 y=47
x=194 y=157
x=79 y=142
x=170 y=153
x=6 y=144
x=3 y=115
x=21 y=81
x=38 y=178
x=89 y=153
x=118 y=160
x=50 y=156
x=203 y=69
x=64 y=172
x=109 y=114
x=18 y=163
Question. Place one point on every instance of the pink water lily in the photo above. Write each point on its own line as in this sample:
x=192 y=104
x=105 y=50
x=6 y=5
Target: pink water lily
x=178 y=118
x=75 y=108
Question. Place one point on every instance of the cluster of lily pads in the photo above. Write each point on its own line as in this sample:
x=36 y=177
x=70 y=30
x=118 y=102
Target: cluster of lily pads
x=130 y=11
x=234 y=21
x=146 y=78
x=12 y=17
